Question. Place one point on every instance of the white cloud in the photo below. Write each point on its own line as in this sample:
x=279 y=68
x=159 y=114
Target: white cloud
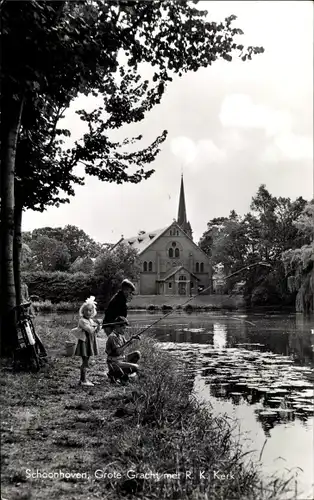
x=289 y=146
x=208 y=151
x=188 y=151
x=239 y=111
x=184 y=148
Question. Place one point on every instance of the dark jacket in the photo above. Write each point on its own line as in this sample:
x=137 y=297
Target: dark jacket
x=116 y=307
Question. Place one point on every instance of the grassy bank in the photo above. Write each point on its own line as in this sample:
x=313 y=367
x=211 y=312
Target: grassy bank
x=48 y=307
x=122 y=440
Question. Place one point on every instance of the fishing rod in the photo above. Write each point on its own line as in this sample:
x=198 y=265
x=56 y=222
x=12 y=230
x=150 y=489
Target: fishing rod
x=199 y=293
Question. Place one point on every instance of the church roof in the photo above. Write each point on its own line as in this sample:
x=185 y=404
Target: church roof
x=174 y=270
x=144 y=240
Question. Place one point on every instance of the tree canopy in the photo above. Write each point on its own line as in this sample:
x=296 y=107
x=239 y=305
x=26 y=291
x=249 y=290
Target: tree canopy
x=63 y=48
x=57 y=249
x=261 y=235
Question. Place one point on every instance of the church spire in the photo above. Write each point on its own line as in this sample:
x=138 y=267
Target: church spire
x=182 y=209
x=182 y=218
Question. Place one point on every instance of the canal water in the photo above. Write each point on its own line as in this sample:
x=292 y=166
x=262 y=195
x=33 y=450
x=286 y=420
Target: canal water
x=258 y=370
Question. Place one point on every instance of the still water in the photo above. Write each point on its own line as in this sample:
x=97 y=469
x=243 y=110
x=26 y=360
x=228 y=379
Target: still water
x=257 y=369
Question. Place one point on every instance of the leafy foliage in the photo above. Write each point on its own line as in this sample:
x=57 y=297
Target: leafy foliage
x=85 y=277
x=261 y=235
x=78 y=243
x=50 y=254
x=59 y=50
x=299 y=262
x=58 y=249
x=112 y=266
x=60 y=286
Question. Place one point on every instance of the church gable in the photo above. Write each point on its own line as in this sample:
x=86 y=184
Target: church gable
x=171 y=263
x=174 y=248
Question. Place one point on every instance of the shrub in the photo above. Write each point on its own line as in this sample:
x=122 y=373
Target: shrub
x=166 y=307
x=63 y=287
x=189 y=308
x=151 y=307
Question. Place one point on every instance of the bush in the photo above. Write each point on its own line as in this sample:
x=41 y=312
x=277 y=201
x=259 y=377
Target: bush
x=59 y=287
x=45 y=306
x=151 y=307
x=166 y=307
x=188 y=308
x=48 y=306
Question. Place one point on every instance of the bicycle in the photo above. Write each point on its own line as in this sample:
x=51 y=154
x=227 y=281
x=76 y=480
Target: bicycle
x=30 y=350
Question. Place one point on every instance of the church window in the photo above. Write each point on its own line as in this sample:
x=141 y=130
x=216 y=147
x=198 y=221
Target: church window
x=150 y=266
x=174 y=244
x=177 y=252
x=182 y=278
x=169 y=285
x=197 y=267
x=170 y=252
x=145 y=266
x=202 y=267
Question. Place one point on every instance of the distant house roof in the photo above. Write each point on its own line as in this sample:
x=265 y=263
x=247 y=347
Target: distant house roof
x=144 y=240
x=174 y=270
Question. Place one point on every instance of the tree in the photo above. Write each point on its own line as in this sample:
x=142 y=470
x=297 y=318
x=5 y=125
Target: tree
x=82 y=265
x=78 y=243
x=299 y=262
x=261 y=235
x=52 y=51
x=112 y=266
x=50 y=254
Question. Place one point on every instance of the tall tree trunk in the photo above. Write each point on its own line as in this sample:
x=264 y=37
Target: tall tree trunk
x=10 y=123
x=17 y=249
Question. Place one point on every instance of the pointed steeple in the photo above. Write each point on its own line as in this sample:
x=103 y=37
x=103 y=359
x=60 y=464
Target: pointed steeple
x=182 y=218
x=182 y=209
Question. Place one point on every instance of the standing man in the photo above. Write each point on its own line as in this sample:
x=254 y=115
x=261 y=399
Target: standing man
x=118 y=305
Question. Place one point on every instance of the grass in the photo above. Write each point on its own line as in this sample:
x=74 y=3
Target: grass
x=47 y=306
x=150 y=439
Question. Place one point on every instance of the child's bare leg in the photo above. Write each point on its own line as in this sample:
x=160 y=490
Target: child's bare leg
x=84 y=367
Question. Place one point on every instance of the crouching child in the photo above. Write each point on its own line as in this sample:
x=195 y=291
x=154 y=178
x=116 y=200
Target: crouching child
x=121 y=365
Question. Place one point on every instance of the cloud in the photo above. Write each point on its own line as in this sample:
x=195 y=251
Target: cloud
x=203 y=151
x=289 y=146
x=239 y=111
x=184 y=148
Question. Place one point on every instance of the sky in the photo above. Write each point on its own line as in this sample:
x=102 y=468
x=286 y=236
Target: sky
x=231 y=127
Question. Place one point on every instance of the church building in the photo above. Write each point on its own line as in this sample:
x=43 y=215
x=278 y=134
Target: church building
x=172 y=264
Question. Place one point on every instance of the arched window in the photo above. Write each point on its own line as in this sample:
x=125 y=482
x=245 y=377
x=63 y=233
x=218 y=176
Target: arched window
x=202 y=267
x=145 y=266
x=170 y=252
x=177 y=252
x=197 y=267
x=150 y=266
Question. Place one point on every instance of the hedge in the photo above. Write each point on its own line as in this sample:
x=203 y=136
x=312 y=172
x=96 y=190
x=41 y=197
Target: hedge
x=60 y=286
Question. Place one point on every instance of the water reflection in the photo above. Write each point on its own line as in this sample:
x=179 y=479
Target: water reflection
x=262 y=375
x=220 y=336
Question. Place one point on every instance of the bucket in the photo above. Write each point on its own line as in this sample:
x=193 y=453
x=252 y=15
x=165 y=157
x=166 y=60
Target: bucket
x=70 y=348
